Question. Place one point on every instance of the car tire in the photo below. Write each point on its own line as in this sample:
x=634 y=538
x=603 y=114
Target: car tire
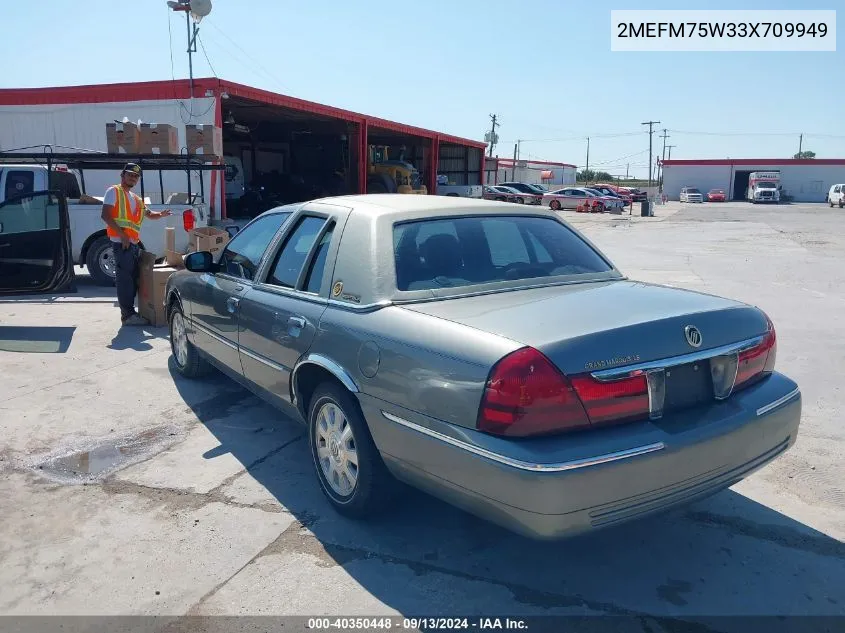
x=186 y=358
x=100 y=261
x=520 y=200
x=841 y=204
x=554 y=205
x=336 y=430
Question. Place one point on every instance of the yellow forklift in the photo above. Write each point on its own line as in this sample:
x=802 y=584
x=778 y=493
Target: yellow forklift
x=391 y=176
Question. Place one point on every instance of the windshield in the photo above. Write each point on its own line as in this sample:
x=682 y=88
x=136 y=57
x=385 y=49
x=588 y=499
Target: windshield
x=471 y=251
x=693 y=191
x=717 y=191
x=766 y=185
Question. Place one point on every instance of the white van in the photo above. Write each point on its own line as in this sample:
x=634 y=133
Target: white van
x=836 y=195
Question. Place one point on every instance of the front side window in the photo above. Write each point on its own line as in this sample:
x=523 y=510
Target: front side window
x=29 y=214
x=458 y=252
x=243 y=254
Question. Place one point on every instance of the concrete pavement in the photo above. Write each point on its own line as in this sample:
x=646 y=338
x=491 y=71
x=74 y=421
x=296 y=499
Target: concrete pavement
x=203 y=500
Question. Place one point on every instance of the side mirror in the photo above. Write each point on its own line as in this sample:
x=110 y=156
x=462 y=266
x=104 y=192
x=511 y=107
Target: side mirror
x=201 y=262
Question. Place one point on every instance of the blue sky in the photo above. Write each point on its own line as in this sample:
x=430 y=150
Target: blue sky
x=545 y=68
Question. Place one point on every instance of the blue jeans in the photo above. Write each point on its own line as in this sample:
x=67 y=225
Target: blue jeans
x=126 y=277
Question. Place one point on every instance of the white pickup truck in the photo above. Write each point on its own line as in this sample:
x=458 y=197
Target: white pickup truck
x=444 y=188
x=91 y=245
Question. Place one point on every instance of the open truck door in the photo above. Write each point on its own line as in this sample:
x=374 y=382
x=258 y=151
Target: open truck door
x=35 y=244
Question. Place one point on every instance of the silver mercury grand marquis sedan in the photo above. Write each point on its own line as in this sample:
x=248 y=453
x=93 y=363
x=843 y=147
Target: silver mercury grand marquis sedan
x=487 y=354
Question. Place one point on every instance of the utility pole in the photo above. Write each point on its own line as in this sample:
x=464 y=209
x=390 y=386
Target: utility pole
x=492 y=137
x=627 y=167
x=669 y=147
x=650 y=125
x=587 y=168
x=515 y=154
x=800 y=144
x=664 y=136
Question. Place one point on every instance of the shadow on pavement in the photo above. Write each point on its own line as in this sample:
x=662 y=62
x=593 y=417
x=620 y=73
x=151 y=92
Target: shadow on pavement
x=136 y=337
x=37 y=339
x=86 y=292
x=726 y=555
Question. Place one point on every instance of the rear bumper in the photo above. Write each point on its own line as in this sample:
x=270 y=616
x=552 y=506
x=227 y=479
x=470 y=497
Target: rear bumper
x=597 y=479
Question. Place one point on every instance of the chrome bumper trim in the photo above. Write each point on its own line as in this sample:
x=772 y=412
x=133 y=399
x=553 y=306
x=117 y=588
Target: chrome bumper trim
x=779 y=402
x=523 y=465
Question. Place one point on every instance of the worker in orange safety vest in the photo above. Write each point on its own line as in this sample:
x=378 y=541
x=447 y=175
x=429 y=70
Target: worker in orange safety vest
x=123 y=213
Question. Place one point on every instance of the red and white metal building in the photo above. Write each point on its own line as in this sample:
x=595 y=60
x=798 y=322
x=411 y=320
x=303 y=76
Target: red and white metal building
x=76 y=116
x=529 y=171
x=805 y=180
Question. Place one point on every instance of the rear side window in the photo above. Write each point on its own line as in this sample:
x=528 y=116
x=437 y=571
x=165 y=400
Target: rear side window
x=457 y=252
x=19 y=183
x=292 y=257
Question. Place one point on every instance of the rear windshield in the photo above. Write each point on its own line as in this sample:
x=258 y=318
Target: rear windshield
x=457 y=252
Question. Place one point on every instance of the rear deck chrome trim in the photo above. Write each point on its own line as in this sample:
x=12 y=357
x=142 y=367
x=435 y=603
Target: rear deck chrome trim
x=523 y=465
x=779 y=402
x=617 y=373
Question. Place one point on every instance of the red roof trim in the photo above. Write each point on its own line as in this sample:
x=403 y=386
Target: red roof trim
x=102 y=93
x=759 y=161
x=180 y=89
x=541 y=163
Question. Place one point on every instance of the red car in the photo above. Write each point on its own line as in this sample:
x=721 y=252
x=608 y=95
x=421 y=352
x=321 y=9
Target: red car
x=716 y=195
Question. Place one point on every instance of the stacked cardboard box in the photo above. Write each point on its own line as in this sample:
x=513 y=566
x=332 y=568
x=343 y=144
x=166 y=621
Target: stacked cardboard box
x=206 y=140
x=123 y=138
x=152 y=282
x=207 y=238
x=158 y=138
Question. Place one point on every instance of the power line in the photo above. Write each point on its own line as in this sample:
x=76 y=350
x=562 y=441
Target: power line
x=250 y=57
x=621 y=157
x=780 y=134
x=210 y=65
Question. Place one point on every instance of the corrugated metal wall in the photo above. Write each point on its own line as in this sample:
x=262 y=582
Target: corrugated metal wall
x=461 y=164
x=561 y=176
x=805 y=183
x=83 y=126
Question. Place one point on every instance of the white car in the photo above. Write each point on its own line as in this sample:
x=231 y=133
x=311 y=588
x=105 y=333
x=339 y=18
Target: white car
x=836 y=195
x=691 y=194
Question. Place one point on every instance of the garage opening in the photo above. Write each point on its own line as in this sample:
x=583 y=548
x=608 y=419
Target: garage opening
x=741 y=179
x=276 y=155
x=397 y=163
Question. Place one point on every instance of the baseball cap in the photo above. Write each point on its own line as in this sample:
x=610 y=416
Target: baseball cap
x=132 y=168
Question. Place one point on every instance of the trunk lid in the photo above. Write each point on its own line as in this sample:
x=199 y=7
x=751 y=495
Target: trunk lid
x=592 y=326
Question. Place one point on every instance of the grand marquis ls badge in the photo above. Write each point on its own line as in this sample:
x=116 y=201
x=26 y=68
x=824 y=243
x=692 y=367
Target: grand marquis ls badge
x=693 y=335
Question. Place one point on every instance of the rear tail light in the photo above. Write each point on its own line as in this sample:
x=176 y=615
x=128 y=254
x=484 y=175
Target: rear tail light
x=616 y=401
x=527 y=395
x=188 y=220
x=758 y=361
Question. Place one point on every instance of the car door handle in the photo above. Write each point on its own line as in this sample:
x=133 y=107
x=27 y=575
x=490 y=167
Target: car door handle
x=297 y=322
x=232 y=304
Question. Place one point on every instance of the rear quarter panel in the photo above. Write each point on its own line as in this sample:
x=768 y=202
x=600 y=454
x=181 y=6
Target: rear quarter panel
x=414 y=361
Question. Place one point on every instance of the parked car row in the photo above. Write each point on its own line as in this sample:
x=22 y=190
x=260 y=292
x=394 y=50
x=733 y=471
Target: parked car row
x=596 y=198
x=692 y=194
x=583 y=200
